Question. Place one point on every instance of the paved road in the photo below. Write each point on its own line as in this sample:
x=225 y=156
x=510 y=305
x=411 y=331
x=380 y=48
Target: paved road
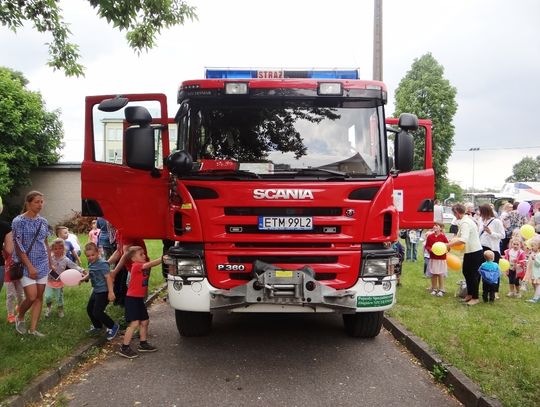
x=260 y=361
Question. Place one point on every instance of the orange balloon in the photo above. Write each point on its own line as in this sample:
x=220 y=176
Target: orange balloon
x=459 y=247
x=453 y=261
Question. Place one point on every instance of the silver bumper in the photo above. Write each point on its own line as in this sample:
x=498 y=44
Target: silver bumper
x=284 y=287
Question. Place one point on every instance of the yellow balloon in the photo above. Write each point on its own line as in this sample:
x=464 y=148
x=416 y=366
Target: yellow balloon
x=527 y=231
x=439 y=248
x=453 y=261
x=504 y=265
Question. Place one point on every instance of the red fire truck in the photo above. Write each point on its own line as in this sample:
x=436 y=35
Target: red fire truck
x=282 y=190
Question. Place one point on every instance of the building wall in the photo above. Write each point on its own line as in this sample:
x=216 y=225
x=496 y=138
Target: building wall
x=61 y=185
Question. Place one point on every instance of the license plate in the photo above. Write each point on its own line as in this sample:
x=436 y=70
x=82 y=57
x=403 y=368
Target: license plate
x=285 y=223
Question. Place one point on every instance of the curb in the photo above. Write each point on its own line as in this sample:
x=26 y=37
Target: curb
x=46 y=381
x=463 y=388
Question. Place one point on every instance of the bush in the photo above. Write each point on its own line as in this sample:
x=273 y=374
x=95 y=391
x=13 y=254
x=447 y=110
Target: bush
x=77 y=223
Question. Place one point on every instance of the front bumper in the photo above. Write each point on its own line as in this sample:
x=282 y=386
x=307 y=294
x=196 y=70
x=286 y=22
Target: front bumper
x=276 y=290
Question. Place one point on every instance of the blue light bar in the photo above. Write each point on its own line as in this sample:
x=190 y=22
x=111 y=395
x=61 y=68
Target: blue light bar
x=212 y=73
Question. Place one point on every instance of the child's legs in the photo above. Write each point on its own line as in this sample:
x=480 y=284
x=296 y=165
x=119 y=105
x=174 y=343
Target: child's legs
x=492 y=289
x=440 y=279
x=128 y=335
x=60 y=297
x=11 y=297
x=90 y=311
x=49 y=294
x=143 y=330
x=434 y=282
x=485 y=290
x=414 y=248
x=536 y=290
x=101 y=301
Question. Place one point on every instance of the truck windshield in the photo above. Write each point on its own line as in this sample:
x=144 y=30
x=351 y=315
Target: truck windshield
x=273 y=138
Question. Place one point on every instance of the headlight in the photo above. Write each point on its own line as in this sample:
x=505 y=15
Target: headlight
x=186 y=267
x=377 y=267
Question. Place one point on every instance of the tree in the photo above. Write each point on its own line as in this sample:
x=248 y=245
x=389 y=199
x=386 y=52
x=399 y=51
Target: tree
x=425 y=92
x=142 y=19
x=528 y=169
x=31 y=136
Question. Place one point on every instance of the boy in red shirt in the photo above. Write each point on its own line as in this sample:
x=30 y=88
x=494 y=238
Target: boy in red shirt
x=135 y=308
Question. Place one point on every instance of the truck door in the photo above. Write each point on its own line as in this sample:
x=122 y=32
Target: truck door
x=134 y=201
x=414 y=191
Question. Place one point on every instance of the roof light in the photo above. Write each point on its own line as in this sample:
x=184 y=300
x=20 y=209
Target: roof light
x=326 y=88
x=236 y=88
x=239 y=73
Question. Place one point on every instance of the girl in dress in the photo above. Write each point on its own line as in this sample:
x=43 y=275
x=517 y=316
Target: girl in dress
x=437 y=264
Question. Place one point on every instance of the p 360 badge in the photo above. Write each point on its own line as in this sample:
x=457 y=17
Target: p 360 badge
x=231 y=267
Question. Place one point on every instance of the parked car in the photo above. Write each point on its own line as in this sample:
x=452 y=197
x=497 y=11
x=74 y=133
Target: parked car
x=448 y=216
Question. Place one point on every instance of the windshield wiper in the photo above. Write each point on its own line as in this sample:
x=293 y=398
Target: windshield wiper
x=318 y=171
x=228 y=173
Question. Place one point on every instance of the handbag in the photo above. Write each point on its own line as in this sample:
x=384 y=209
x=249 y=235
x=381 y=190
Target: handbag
x=17 y=267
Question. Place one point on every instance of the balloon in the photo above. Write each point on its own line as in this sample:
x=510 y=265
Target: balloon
x=459 y=247
x=524 y=208
x=71 y=277
x=453 y=261
x=504 y=265
x=527 y=231
x=439 y=248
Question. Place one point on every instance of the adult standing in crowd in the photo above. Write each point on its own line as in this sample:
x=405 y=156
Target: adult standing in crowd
x=468 y=233
x=6 y=244
x=106 y=247
x=504 y=218
x=30 y=227
x=491 y=234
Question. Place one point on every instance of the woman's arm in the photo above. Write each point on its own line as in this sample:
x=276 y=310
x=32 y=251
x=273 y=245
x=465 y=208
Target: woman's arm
x=8 y=243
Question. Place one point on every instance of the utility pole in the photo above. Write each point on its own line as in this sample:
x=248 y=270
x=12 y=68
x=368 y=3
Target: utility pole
x=377 y=42
x=473 y=149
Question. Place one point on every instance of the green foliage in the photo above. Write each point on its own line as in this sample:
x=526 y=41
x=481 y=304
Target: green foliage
x=425 y=92
x=439 y=372
x=528 y=169
x=31 y=136
x=446 y=188
x=143 y=20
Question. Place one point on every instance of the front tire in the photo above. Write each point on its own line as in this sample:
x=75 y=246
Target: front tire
x=363 y=324
x=191 y=323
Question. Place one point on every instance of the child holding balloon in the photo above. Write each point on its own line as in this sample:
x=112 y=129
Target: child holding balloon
x=436 y=246
x=533 y=268
x=55 y=286
x=516 y=258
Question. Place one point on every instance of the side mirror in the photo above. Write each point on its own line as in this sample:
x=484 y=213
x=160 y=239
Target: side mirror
x=114 y=104
x=404 y=151
x=139 y=140
x=179 y=163
x=408 y=122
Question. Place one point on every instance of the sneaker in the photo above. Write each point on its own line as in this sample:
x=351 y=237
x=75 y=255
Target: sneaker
x=11 y=319
x=60 y=314
x=534 y=300
x=111 y=333
x=440 y=293
x=127 y=352
x=47 y=312
x=518 y=295
x=511 y=294
x=433 y=292
x=20 y=326
x=93 y=330
x=146 y=347
x=497 y=296
x=36 y=333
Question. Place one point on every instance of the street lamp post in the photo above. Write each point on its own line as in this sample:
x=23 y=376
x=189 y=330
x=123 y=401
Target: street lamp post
x=473 y=149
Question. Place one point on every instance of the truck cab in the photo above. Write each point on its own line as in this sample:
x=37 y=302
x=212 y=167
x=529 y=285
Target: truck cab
x=283 y=191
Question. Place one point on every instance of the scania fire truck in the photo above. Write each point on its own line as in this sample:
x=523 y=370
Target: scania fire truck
x=281 y=190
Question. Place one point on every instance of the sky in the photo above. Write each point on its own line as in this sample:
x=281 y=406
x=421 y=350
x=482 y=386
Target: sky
x=490 y=51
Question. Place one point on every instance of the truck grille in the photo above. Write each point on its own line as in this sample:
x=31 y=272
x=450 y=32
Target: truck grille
x=283 y=211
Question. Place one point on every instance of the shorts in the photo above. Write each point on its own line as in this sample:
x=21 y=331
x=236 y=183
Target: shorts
x=135 y=309
x=26 y=281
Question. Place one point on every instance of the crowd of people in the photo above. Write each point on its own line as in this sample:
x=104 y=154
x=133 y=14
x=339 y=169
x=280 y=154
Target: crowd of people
x=484 y=237
x=118 y=270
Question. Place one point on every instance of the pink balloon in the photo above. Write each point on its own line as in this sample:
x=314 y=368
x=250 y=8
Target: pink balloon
x=524 y=208
x=70 y=277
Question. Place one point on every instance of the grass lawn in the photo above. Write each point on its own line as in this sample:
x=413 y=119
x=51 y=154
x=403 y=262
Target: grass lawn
x=22 y=358
x=496 y=345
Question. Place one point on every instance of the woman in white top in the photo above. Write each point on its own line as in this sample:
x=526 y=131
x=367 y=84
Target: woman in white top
x=474 y=256
x=491 y=231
